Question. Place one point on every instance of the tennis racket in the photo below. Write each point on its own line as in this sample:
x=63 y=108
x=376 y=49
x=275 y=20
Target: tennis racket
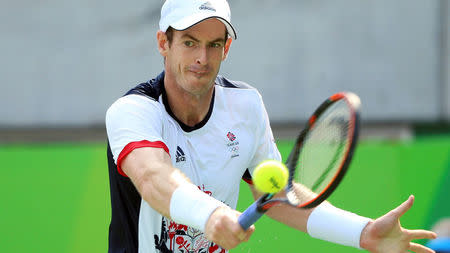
x=319 y=159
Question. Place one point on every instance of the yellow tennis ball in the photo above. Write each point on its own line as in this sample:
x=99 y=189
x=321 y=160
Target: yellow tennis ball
x=270 y=176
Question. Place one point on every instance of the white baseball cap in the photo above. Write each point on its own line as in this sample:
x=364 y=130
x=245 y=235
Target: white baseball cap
x=182 y=14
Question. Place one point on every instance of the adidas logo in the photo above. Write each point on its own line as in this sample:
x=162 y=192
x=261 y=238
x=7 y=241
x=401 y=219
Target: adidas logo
x=179 y=156
x=207 y=6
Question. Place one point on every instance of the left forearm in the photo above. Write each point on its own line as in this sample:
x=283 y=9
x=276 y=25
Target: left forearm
x=286 y=214
x=291 y=216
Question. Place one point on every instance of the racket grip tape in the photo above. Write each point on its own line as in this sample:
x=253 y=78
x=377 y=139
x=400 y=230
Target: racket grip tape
x=250 y=216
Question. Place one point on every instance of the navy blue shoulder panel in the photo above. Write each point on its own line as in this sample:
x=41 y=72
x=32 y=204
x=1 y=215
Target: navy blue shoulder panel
x=151 y=89
x=155 y=87
x=227 y=83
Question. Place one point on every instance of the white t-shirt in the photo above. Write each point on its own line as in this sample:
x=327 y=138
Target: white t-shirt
x=234 y=137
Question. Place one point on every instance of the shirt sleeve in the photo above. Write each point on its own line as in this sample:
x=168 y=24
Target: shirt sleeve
x=133 y=121
x=266 y=147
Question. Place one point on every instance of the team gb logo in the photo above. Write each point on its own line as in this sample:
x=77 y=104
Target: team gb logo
x=231 y=136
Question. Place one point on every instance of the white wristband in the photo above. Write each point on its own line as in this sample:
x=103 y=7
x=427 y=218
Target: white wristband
x=192 y=207
x=332 y=224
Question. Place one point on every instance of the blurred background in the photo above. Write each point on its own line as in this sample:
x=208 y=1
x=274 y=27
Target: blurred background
x=63 y=63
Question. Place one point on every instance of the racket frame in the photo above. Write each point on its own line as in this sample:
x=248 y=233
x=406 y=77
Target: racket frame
x=266 y=201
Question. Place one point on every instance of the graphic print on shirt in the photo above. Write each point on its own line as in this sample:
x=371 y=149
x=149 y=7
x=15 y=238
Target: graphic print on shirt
x=179 y=238
x=180 y=156
x=233 y=145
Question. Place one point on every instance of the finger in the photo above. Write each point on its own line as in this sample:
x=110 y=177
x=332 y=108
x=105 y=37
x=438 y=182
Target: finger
x=243 y=235
x=404 y=207
x=422 y=234
x=248 y=233
x=415 y=247
x=240 y=234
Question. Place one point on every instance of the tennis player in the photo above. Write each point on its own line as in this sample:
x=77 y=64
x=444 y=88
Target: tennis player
x=180 y=143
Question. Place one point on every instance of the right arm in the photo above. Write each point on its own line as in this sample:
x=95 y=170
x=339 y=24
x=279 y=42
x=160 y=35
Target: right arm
x=154 y=177
x=156 y=180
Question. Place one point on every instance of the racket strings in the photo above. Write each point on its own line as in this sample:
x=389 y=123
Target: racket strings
x=322 y=152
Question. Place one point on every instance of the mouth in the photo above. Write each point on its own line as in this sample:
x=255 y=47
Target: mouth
x=199 y=72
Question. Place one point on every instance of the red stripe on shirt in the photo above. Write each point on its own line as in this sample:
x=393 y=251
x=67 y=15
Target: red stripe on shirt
x=138 y=144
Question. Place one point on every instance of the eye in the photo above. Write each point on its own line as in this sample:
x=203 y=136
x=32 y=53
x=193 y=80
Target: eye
x=188 y=43
x=216 y=45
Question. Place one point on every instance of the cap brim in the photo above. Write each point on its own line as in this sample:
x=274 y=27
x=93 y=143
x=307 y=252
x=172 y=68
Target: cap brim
x=193 y=20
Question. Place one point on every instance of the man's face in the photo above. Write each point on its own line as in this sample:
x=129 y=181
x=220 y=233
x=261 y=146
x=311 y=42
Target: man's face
x=194 y=56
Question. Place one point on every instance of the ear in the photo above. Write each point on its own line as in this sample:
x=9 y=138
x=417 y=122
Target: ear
x=227 y=48
x=163 y=43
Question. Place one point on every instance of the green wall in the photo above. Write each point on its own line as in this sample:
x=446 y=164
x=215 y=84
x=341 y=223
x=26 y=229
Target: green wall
x=55 y=196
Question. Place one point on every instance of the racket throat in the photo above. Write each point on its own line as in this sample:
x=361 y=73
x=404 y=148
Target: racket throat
x=264 y=203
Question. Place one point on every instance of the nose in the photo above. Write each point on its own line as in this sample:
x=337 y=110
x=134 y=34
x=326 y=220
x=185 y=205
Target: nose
x=202 y=56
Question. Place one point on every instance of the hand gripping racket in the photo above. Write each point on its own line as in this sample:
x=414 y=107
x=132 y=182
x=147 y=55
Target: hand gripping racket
x=319 y=159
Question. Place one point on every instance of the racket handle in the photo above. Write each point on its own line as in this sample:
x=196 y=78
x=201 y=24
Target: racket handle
x=250 y=216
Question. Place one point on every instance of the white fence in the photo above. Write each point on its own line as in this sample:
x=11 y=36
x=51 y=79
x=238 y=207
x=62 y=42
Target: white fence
x=64 y=62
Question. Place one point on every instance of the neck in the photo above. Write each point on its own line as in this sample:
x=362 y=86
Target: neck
x=188 y=108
